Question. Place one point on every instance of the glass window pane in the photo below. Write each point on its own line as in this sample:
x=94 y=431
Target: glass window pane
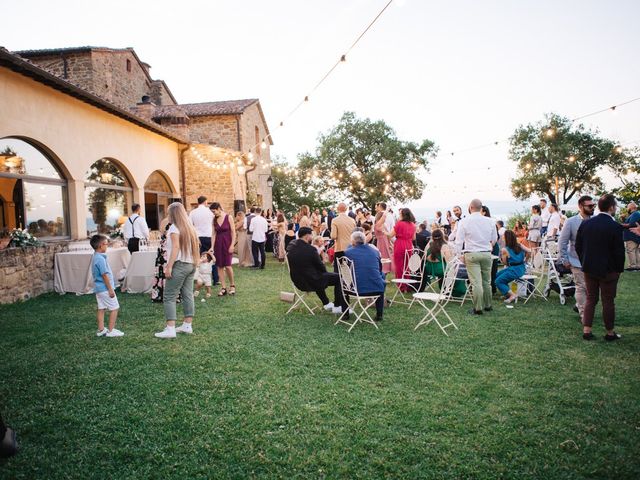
x=106 y=209
x=107 y=172
x=18 y=157
x=45 y=207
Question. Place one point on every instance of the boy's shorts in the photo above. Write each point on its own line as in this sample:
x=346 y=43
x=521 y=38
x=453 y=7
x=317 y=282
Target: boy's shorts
x=205 y=279
x=105 y=302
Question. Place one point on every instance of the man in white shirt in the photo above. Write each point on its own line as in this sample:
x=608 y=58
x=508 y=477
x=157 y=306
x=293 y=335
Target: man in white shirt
x=202 y=219
x=553 y=225
x=258 y=228
x=135 y=229
x=544 y=214
x=476 y=235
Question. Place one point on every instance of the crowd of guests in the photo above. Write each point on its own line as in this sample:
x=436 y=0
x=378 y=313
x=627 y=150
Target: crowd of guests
x=593 y=251
x=198 y=247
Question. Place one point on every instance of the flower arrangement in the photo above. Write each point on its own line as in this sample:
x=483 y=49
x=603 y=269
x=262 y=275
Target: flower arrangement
x=116 y=233
x=22 y=238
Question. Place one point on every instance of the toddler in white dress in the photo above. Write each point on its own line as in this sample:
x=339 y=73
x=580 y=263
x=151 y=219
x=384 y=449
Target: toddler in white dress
x=203 y=274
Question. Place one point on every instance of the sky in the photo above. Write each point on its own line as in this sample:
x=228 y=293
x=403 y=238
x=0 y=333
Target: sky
x=461 y=73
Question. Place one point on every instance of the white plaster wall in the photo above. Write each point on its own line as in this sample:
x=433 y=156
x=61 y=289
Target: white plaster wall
x=78 y=134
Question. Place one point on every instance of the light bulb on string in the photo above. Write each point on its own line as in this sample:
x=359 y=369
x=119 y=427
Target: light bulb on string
x=263 y=145
x=550 y=132
x=618 y=149
x=572 y=158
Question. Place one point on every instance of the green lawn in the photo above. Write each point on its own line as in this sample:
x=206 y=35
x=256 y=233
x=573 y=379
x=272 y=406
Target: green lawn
x=514 y=394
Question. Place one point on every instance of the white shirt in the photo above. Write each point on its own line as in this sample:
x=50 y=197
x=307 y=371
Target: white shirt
x=202 y=219
x=389 y=221
x=554 y=224
x=187 y=259
x=139 y=229
x=545 y=217
x=476 y=233
x=259 y=228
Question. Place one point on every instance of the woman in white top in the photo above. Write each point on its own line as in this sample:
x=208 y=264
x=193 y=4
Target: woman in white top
x=182 y=250
x=535 y=225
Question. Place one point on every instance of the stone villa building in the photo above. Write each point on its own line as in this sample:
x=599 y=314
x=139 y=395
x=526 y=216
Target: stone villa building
x=85 y=132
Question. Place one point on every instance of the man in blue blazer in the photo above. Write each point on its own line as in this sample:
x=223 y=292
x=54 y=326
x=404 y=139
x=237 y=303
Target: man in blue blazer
x=600 y=248
x=368 y=269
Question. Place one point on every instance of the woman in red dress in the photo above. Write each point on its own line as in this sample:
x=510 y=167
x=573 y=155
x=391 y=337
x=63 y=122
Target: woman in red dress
x=405 y=233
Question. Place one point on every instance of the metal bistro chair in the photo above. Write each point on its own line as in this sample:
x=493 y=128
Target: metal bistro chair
x=412 y=277
x=359 y=304
x=298 y=295
x=440 y=300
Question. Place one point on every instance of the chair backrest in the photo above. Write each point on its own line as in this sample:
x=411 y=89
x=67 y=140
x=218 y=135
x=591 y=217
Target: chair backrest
x=450 y=274
x=413 y=264
x=347 y=274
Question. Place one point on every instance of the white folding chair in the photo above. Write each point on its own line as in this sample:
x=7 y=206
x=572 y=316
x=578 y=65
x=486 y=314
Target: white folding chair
x=534 y=276
x=298 y=295
x=439 y=300
x=359 y=304
x=413 y=269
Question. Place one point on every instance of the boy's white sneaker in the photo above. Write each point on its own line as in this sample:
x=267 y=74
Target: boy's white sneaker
x=168 y=332
x=185 y=328
x=102 y=333
x=115 y=333
x=329 y=306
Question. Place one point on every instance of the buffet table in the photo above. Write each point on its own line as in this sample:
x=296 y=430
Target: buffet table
x=72 y=270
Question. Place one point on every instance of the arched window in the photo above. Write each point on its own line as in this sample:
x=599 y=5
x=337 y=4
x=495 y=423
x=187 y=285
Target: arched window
x=157 y=196
x=108 y=196
x=33 y=192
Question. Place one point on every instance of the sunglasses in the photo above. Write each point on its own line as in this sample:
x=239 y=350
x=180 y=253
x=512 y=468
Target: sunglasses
x=589 y=205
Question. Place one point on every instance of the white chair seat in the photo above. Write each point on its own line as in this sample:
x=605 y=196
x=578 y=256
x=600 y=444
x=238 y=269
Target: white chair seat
x=434 y=297
x=528 y=277
x=404 y=280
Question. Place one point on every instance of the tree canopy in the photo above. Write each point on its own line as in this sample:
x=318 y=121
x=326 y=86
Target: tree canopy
x=364 y=161
x=558 y=158
x=291 y=190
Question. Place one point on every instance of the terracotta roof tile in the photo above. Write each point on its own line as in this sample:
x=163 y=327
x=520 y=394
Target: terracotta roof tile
x=227 y=107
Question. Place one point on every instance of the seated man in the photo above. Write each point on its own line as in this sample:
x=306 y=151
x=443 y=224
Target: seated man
x=368 y=269
x=309 y=274
x=423 y=236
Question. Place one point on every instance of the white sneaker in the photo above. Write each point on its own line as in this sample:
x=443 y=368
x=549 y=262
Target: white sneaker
x=168 y=332
x=102 y=333
x=329 y=307
x=336 y=310
x=115 y=333
x=185 y=328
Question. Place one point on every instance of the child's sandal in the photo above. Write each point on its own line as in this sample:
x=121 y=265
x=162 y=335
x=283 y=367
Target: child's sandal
x=222 y=292
x=232 y=289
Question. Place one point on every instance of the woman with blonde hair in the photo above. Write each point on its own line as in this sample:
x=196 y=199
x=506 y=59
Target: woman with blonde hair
x=182 y=251
x=304 y=221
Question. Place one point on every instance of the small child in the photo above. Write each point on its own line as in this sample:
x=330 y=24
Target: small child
x=203 y=274
x=105 y=295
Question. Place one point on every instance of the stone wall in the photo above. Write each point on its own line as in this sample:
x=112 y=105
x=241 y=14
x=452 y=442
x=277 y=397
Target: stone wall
x=104 y=72
x=27 y=272
x=112 y=81
x=218 y=130
x=251 y=119
x=79 y=67
x=218 y=185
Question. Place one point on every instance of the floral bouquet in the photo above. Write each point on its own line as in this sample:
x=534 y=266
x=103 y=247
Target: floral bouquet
x=22 y=238
x=116 y=233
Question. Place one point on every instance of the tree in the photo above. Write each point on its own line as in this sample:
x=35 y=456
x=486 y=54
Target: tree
x=290 y=190
x=365 y=162
x=557 y=158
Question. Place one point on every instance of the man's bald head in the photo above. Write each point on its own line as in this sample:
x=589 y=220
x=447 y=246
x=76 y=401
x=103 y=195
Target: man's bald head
x=342 y=207
x=475 y=205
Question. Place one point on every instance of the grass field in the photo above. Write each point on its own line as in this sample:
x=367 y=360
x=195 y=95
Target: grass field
x=513 y=394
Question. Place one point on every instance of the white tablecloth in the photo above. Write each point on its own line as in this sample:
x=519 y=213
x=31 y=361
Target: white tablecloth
x=72 y=270
x=140 y=273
